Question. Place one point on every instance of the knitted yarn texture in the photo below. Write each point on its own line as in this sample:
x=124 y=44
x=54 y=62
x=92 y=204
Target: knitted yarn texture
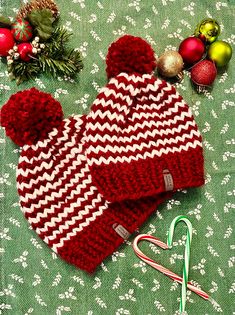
x=63 y=206
x=86 y=183
x=142 y=139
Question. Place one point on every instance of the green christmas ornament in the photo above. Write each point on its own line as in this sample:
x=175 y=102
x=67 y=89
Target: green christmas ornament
x=220 y=52
x=22 y=30
x=208 y=30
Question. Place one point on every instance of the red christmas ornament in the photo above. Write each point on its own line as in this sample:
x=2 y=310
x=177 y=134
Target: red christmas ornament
x=25 y=50
x=191 y=49
x=6 y=41
x=22 y=30
x=204 y=73
x=29 y=115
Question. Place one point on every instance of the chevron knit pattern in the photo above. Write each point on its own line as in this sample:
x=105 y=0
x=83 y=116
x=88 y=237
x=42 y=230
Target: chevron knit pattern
x=140 y=127
x=63 y=206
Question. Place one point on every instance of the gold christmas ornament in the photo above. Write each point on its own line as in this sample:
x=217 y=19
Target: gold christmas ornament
x=38 y=4
x=170 y=64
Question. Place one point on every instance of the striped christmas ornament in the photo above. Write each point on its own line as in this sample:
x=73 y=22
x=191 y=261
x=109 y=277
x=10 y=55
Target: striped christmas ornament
x=141 y=136
x=22 y=30
x=57 y=195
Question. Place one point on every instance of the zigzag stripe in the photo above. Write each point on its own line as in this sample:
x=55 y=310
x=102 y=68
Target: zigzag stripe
x=143 y=115
x=79 y=228
x=149 y=124
x=44 y=165
x=127 y=100
x=140 y=147
x=66 y=211
x=53 y=133
x=108 y=92
x=132 y=77
x=100 y=113
x=50 y=177
x=43 y=155
x=38 y=192
x=133 y=90
x=110 y=159
x=148 y=133
x=73 y=208
x=42 y=143
x=153 y=83
x=74 y=219
x=43 y=202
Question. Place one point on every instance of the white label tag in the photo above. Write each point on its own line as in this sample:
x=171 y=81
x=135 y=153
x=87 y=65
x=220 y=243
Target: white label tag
x=120 y=230
x=168 y=179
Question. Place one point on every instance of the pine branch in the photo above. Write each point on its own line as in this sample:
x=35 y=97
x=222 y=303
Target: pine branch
x=23 y=71
x=56 y=59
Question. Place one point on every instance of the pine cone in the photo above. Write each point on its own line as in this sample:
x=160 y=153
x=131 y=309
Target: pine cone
x=38 y=4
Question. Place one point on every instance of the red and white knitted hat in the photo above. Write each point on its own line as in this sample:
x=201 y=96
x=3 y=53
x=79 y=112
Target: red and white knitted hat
x=141 y=136
x=56 y=192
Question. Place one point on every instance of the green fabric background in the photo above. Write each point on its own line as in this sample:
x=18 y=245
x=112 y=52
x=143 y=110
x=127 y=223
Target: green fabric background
x=33 y=280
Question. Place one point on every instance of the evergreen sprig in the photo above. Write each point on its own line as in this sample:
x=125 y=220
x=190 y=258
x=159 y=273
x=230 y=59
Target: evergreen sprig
x=56 y=59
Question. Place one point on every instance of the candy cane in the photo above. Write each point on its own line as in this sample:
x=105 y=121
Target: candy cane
x=186 y=254
x=160 y=268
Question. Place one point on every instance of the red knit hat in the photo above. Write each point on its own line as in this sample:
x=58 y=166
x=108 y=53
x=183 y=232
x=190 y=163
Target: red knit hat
x=56 y=192
x=142 y=138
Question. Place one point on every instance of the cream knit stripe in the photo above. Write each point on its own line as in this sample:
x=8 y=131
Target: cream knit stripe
x=66 y=225
x=133 y=77
x=127 y=99
x=39 y=191
x=86 y=181
x=149 y=133
x=149 y=124
x=98 y=113
x=134 y=91
x=126 y=148
x=45 y=143
x=52 y=196
x=48 y=166
x=72 y=208
x=80 y=227
x=51 y=135
x=91 y=191
x=136 y=157
x=77 y=191
x=50 y=177
x=69 y=223
x=40 y=144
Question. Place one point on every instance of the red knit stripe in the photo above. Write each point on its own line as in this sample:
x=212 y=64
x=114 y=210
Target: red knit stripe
x=144 y=150
x=89 y=248
x=123 y=143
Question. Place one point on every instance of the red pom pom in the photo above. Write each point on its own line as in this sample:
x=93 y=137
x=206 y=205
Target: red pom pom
x=204 y=73
x=130 y=54
x=30 y=115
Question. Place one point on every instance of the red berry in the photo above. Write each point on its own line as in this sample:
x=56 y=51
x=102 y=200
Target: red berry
x=6 y=41
x=25 y=50
x=204 y=73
